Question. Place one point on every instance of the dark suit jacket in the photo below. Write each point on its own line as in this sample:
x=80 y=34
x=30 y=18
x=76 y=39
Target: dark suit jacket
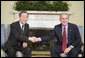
x=73 y=36
x=16 y=36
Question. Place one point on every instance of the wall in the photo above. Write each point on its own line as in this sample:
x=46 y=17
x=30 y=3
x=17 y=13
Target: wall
x=77 y=17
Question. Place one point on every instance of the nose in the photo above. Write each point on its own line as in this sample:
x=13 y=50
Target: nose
x=63 y=20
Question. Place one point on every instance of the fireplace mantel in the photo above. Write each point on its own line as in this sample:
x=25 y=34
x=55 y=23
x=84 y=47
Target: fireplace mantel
x=45 y=12
x=42 y=19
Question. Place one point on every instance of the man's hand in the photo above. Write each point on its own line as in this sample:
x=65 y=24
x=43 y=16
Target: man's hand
x=67 y=50
x=33 y=39
x=24 y=44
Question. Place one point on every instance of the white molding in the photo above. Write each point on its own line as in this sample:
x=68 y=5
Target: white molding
x=45 y=12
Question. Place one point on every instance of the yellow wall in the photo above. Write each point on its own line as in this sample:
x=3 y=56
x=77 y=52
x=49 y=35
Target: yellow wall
x=77 y=17
x=6 y=15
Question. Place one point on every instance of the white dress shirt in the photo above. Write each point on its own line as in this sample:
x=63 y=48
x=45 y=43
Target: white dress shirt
x=66 y=28
x=21 y=25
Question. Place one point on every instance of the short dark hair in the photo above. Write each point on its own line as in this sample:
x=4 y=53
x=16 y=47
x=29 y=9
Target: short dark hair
x=22 y=12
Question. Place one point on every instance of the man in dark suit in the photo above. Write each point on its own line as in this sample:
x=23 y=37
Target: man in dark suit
x=68 y=38
x=19 y=37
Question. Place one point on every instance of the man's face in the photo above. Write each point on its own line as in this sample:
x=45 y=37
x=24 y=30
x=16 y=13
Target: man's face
x=64 y=19
x=23 y=18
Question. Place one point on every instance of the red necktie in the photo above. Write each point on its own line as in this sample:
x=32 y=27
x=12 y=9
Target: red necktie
x=64 y=44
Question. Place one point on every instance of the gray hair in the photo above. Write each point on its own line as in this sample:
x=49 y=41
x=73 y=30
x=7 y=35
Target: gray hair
x=64 y=14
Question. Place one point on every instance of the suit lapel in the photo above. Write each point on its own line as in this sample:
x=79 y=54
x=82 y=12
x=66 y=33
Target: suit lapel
x=69 y=33
x=61 y=32
x=19 y=27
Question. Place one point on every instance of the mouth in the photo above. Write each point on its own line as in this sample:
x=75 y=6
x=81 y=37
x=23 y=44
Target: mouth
x=64 y=23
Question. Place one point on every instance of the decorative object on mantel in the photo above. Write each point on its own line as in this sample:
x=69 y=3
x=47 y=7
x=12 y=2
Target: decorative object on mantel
x=41 y=6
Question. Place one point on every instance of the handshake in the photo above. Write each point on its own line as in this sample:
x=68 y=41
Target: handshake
x=33 y=39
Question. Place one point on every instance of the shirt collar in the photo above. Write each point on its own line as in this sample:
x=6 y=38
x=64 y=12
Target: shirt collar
x=20 y=24
x=65 y=26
